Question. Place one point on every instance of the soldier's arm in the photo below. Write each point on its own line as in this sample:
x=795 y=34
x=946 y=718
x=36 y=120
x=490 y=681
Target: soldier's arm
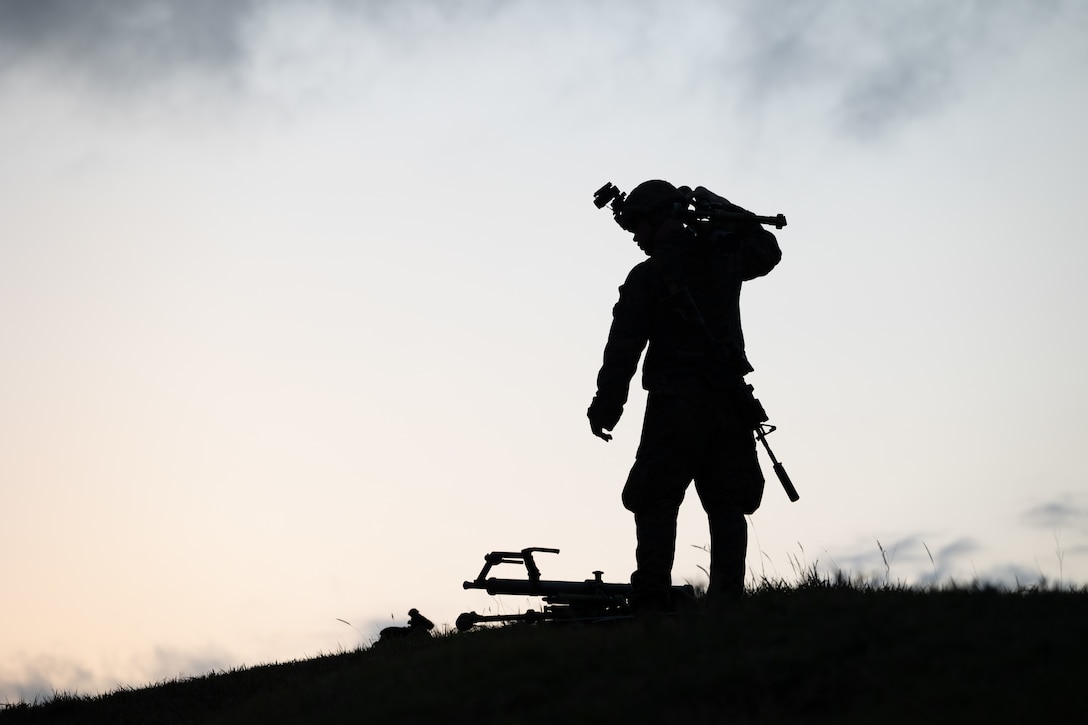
x=759 y=253
x=631 y=320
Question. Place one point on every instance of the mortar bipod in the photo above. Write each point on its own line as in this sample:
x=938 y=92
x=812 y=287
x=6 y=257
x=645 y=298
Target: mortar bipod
x=525 y=557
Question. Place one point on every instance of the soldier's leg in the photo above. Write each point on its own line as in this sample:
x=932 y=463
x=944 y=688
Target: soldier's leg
x=653 y=493
x=730 y=485
x=655 y=530
x=728 y=549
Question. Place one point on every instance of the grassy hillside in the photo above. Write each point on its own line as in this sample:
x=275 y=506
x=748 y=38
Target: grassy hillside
x=817 y=652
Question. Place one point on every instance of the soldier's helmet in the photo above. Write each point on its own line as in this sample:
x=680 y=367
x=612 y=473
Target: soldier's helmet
x=648 y=199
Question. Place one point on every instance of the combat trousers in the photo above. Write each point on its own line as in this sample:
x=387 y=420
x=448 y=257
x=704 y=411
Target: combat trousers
x=692 y=436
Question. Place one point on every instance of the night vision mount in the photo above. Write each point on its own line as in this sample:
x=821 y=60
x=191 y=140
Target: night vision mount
x=703 y=208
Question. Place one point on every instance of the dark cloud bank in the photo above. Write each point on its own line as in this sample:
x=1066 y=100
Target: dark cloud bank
x=879 y=62
x=123 y=42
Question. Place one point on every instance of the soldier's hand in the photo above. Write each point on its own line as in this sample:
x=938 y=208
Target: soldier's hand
x=599 y=432
x=600 y=418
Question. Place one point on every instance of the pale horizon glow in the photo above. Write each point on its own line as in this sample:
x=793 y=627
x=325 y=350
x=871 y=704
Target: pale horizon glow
x=303 y=304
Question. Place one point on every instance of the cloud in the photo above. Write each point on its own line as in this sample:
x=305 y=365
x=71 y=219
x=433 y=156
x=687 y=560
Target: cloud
x=127 y=43
x=915 y=560
x=40 y=677
x=875 y=66
x=124 y=43
x=168 y=663
x=911 y=558
x=1012 y=576
x=862 y=69
x=37 y=678
x=1062 y=514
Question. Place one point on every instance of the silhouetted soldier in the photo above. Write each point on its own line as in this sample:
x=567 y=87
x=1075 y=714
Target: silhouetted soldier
x=417 y=625
x=685 y=302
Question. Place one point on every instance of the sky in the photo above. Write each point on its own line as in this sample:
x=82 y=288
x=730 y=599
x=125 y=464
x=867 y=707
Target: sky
x=303 y=304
